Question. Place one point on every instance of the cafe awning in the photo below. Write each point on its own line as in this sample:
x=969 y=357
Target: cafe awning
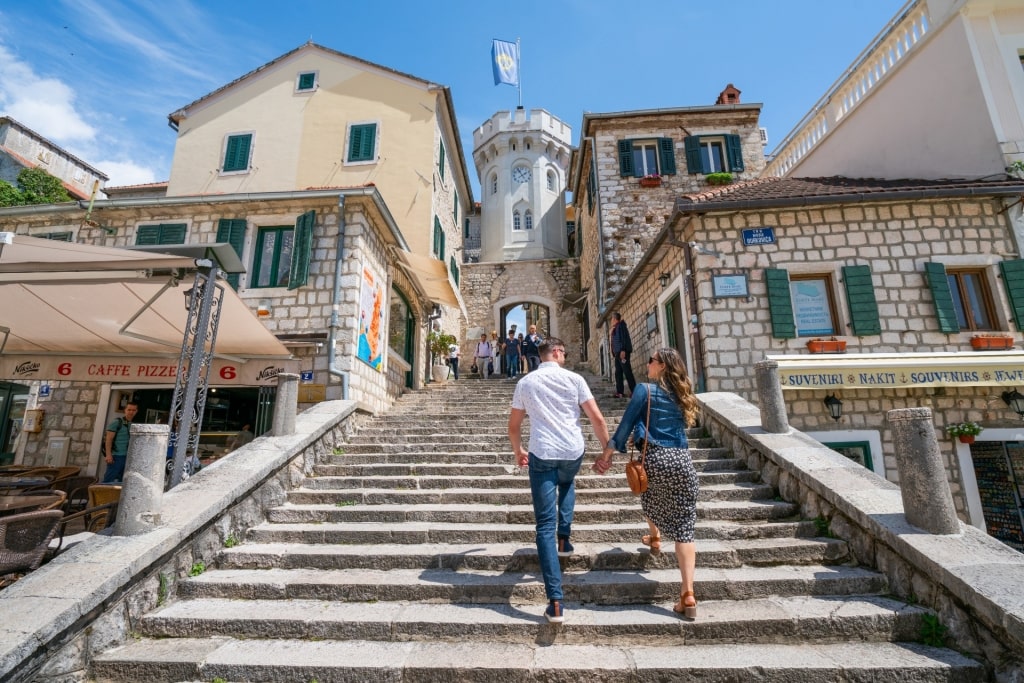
x=828 y=372
x=75 y=311
x=432 y=277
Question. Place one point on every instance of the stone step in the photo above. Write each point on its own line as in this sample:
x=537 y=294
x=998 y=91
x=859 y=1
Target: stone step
x=492 y=441
x=766 y=620
x=429 y=661
x=422 y=469
x=439 y=532
x=346 y=454
x=600 y=587
x=480 y=504
x=515 y=557
x=424 y=428
x=506 y=496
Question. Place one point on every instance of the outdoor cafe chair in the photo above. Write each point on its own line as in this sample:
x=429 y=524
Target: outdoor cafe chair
x=77 y=489
x=24 y=540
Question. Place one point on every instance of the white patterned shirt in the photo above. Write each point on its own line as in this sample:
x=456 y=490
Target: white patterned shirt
x=552 y=396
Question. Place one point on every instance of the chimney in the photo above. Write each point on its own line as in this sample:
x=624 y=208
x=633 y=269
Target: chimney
x=729 y=96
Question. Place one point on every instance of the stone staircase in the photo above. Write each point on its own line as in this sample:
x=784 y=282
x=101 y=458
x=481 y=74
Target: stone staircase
x=410 y=556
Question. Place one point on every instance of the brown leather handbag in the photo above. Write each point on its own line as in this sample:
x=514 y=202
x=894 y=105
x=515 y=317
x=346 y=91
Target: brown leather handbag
x=636 y=475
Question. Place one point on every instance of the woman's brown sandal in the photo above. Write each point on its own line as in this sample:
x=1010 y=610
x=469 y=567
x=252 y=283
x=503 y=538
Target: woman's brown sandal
x=688 y=611
x=653 y=542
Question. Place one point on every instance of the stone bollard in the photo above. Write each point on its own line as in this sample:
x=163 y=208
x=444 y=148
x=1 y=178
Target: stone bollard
x=927 y=500
x=769 y=397
x=287 y=404
x=142 y=492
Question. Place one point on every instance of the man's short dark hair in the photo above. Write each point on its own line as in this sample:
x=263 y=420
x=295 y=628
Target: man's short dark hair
x=546 y=347
x=617 y=316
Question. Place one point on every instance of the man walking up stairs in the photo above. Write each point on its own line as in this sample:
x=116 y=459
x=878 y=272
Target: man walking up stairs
x=409 y=556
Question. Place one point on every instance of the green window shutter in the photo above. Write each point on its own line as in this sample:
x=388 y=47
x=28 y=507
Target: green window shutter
x=440 y=162
x=302 y=250
x=591 y=190
x=626 y=158
x=440 y=254
x=361 y=143
x=454 y=268
x=734 y=152
x=437 y=237
x=307 y=81
x=455 y=206
x=232 y=231
x=667 y=156
x=860 y=295
x=1013 y=281
x=780 y=304
x=169 y=233
x=694 y=164
x=943 y=297
x=236 y=158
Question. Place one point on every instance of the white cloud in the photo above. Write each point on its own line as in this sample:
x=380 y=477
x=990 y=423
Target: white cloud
x=126 y=173
x=45 y=105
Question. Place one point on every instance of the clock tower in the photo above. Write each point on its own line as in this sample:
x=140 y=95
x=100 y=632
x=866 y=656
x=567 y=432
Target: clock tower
x=522 y=161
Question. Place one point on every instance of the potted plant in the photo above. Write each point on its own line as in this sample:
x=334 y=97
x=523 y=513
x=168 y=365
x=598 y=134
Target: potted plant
x=991 y=342
x=718 y=178
x=965 y=431
x=439 y=344
x=832 y=345
x=650 y=180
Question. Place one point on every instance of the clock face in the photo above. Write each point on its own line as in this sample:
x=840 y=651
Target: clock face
x=521 y=174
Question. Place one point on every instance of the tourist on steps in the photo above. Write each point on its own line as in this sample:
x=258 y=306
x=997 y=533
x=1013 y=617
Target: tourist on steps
x=670 y=502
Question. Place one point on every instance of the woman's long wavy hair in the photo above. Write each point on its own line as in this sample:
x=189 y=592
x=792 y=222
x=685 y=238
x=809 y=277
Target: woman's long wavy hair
x=677 y=382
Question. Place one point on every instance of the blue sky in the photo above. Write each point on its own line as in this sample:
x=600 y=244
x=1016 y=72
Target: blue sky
x=99 y=77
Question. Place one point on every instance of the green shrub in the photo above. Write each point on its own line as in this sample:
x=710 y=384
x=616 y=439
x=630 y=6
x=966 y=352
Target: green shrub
x=718 y=178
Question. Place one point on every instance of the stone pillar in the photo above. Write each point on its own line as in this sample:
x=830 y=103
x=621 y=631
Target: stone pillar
x=142 y=494
x=927 y=500
x=287 y=404
x=769 y=397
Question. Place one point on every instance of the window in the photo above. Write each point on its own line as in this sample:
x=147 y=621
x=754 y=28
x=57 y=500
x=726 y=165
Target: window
x=362 y=143
x=237 y=153
x=282 y=254
x=591 y=190
x=963 y=300
x=440 y=162
x=517 y=221
x=713 y=154
x=551 y=181
x=529 y=219
x=306 y=81
x=438 y=248
x=814 y=308
x=273 y=258
x=494 y=183
x=653 y=156
x=58 y=236
x=453 y=267
x=165 y=233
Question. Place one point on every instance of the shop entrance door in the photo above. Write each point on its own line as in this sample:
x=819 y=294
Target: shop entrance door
x=999 y=471
x=13 y=398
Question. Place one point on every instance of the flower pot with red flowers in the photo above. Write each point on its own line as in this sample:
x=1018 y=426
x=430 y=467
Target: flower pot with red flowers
x=991 y=342
x=832 y=345
x=650 y=181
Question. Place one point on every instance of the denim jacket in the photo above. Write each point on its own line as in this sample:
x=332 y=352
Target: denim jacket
x=667 y=427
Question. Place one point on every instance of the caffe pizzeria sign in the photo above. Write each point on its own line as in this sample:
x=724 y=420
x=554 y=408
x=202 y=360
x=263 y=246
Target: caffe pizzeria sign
x=901 y=371
x=141 y=370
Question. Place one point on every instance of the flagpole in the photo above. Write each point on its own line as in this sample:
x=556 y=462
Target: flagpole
x=519 y=70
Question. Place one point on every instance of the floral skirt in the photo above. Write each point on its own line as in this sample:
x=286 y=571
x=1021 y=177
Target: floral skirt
x=671 y=497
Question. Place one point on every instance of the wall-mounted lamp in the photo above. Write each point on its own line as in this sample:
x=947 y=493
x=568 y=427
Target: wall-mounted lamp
x=663 y=279
x=263 y=309
x=1015 y=400
x=835 y=406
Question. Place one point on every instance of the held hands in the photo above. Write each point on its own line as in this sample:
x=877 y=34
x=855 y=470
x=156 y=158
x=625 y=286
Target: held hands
x=603 y=463
x=522 y=457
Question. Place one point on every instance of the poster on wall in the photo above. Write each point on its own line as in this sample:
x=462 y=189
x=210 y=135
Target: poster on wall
x=811 y=308
x=371 y=319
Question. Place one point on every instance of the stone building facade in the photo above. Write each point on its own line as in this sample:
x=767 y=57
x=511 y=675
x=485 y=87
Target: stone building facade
x=907 y=274
x=627 y=173
x=300 y=316
x=21 y=148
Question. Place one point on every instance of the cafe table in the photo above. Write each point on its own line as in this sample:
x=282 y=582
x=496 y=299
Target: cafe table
x=11 y=504
x=16 y=482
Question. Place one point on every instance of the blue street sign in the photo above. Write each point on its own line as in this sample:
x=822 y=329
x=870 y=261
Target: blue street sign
x=307 y=375
x=44 y=391
x=759 y=236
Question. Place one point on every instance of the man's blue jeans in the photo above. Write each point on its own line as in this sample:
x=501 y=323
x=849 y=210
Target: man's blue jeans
x=115 y=470
x=553 y=488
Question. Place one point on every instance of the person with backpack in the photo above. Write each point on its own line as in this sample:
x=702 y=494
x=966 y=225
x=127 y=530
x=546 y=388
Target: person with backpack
x=115 y=445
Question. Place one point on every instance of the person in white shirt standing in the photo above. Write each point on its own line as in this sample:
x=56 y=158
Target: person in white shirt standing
x=453 y=359
x=482 y=355
x=553 y=396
